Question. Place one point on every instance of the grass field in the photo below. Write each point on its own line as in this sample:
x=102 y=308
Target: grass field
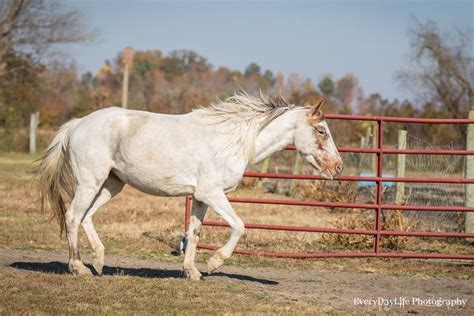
x=143 y=227
x=26 y=291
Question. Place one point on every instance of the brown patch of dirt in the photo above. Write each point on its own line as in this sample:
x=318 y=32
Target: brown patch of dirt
x=328 y=290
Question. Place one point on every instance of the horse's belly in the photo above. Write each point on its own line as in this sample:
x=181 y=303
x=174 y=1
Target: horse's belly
x=157 y=185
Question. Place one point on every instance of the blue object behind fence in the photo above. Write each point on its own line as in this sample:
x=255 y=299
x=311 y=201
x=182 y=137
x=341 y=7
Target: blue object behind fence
x=372 y=183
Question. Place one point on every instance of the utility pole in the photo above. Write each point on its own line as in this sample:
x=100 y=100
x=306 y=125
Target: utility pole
x=127 y=59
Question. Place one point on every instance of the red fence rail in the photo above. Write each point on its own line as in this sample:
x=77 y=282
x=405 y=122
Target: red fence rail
x=378 y=206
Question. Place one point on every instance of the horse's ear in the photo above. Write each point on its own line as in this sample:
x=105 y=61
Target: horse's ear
x=316 y=110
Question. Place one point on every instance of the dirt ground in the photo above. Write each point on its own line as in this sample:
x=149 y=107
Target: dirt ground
x=325 y=290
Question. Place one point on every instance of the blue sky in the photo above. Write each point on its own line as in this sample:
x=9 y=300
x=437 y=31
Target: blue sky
x=311 y=38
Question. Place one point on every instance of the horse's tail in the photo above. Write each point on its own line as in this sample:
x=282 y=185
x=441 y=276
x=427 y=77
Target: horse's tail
x=56 y=178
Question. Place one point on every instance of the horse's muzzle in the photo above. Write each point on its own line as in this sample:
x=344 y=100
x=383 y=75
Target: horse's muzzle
x=339 y=167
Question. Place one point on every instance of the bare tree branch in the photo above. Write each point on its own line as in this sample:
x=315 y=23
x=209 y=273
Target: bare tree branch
x=443 y=67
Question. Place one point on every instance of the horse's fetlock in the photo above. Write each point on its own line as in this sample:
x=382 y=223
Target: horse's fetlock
x=239 y=229
x=99 y=249
x=216 y=261
x=194 y=239
x=188 y=266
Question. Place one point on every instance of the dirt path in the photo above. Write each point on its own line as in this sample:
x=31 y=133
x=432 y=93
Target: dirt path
x=334 y=289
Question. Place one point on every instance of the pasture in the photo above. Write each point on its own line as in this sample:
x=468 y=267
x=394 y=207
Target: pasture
x=142 y=276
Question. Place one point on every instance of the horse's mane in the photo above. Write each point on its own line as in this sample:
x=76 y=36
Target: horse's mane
x=242 y=108
x=244 y=116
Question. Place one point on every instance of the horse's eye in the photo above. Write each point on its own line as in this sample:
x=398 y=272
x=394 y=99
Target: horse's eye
x=321 y=131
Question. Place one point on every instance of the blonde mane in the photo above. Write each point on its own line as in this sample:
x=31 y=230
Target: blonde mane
x=242 y=108
x=244 y=117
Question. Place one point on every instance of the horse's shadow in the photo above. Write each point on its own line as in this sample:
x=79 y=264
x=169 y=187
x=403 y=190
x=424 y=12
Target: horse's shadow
x=62 y=268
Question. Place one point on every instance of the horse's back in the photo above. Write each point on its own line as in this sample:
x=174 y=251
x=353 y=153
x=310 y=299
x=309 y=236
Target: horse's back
x=156 y=153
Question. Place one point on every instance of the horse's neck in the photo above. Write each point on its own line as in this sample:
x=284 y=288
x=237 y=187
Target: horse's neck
x=277 y=135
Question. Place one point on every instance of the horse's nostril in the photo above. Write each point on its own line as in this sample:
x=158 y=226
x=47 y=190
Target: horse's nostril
x=339 y=168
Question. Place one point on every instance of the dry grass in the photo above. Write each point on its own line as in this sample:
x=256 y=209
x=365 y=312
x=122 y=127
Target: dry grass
x=40 y=293
x=391 y=221
x=327 y=191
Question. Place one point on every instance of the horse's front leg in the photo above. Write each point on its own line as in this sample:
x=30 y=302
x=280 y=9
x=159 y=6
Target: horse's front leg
x=220 y=204
x=192 y=237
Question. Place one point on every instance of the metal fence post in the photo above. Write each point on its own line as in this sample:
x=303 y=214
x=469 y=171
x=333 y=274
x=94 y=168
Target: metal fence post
x=401 y=158
x=469 y=225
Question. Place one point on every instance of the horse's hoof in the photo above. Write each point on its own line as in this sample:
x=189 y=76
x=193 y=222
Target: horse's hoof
x=78 y=268
x=194 y=275
x=98 y=263
x=98 y=267
x=214 y=263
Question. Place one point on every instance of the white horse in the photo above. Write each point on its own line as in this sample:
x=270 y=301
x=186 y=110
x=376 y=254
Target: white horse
x=203 y=153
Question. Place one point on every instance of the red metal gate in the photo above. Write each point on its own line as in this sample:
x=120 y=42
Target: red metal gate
x=377 y=231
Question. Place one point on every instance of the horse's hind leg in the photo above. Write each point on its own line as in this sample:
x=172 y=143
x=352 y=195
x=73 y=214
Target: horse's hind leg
x=112 y=186
x=83 y=199
x=90 y=178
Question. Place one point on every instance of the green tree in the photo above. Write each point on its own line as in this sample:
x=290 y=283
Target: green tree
x=252 y=69
x=327 y=86
x=269 y=78
x=189 y=60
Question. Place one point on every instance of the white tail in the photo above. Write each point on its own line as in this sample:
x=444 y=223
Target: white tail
x=56 y=178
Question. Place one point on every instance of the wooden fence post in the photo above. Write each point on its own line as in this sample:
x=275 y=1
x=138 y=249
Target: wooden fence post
x=469 y=174
x=365 y=141
x=34 y=120
x=263 y=169
x=401 y=158
x=374 y=146
x=296 y=170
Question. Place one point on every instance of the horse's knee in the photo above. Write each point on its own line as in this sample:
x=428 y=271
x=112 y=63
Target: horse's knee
x=71 y=219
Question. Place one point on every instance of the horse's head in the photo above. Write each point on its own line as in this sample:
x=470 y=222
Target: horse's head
x=313 y=139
